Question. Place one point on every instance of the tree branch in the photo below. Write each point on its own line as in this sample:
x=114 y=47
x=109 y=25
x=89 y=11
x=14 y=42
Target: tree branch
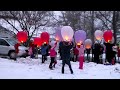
x=11 y=25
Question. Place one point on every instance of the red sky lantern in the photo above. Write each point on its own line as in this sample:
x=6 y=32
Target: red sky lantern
x=108 y=35
x=22 y=36
x=45 y=37
x=37 y=41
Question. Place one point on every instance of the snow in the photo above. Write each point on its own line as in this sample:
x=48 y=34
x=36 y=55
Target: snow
x=26 y=68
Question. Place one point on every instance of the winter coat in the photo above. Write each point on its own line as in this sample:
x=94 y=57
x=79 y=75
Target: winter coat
x=71 y=53
x=30 y=51
x=118 y=53
x=53 y=53
x=81 y=51
x=76 y=51
x=65 y=49
x=16 y=48
x=109 y=51
x=44 y=49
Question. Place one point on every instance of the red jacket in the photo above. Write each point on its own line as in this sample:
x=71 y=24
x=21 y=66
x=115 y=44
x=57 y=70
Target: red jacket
x=75 y=51
x=118 y=52
x=16 y=48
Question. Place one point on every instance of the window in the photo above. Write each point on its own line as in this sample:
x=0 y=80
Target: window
x=3 y=42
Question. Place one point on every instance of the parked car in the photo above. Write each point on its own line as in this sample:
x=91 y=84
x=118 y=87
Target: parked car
x=7 y=48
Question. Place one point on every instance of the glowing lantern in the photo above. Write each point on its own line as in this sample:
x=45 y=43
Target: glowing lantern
x=45 y=37
x=80 y=36
x=88 y=43
x=108 y=36
x=67 y=33
x=22 y=36
x=37 y=41
x=98 y=34
x=58 y=35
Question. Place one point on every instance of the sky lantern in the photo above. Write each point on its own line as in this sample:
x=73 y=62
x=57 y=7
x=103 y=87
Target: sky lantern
x=108 y=36
x=80 y=36
x=22 y=36
x=37 y=41
x=88 y=43
x=45 y=37
x=67 y=33
x=58 y=36
x=98 y=34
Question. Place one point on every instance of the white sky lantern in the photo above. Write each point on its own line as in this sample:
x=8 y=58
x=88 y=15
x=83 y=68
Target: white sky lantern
x=88 y=43
x=98 y=34
x=67 y=33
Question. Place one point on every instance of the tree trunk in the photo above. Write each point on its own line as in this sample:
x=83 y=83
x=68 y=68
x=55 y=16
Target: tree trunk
x=114 y=24
x=92 y=26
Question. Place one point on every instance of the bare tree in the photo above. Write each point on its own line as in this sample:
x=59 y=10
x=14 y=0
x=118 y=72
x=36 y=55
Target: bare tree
x=29 y=21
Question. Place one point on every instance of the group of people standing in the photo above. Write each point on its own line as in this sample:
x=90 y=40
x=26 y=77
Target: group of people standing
x=70 y=52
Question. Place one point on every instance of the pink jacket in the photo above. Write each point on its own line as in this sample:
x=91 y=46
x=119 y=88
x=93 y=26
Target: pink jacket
x=81 y=51
x=53 y=53
x=30 y=51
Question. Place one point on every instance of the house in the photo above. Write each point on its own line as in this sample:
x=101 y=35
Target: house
x=6 y=33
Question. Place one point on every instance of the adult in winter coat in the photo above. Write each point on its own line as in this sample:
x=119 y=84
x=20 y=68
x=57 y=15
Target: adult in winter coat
x=44 y=48
x=109 y=53
x=65 y=51
x=53 y=54
x=97 y=52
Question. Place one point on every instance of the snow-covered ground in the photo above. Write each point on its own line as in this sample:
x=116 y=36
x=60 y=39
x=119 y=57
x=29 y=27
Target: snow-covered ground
x=26 y=68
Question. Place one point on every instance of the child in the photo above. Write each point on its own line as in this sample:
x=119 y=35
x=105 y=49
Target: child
x=81 y=56
x=16 y=50
x=43 y=52
x=52 y=55
x=76 y=52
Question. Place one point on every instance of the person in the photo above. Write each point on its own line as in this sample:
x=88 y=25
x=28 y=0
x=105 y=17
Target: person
x=47 y=51
x=43 y=52
x=71 y=55
x=31 y=48
x=35 y=51
x=65 y=51
x=114 y=51
x=52 y=56
x=16 y=46
x=81 y=49
x=97 y=52
x=118 y=51
x=108 y=52
x=76 y=52
x=60 y=50
x=92 y=53
x=88 y=54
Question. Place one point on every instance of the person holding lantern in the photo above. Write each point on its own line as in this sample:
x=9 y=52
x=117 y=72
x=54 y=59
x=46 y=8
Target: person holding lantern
x=97 y=52
x=53 y=54
x=108 y=36
x=65 y=49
